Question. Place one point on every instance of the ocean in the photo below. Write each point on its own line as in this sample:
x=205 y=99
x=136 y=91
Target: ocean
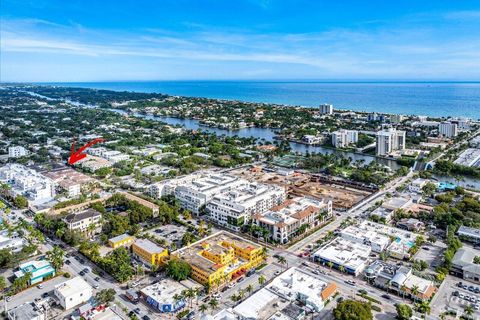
x=434 y=99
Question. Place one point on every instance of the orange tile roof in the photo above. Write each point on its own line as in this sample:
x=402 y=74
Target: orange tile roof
x=328 y=291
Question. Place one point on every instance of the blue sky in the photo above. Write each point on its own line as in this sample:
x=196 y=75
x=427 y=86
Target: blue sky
x=82 y=40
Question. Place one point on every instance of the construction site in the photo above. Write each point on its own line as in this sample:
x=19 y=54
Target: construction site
x=343 y=195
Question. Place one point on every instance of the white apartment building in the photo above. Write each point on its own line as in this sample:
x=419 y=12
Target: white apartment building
x=325 y=109
x=17 y=152
x=448 y=129
x=167 y=187
x=358 y=234
x=111 y=155
x=286 y=220
x=27 y=182
x=73 y=292
x=390 y=140
x=82 y=221
x=343 y=138
x=197 y=193
x=235 y=207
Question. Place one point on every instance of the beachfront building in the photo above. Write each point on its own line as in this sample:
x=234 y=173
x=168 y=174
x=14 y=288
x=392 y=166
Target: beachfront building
x=73 y=292
x=293 y=217
x=86 y=222
x=448 y=129
x=122 y=240
x=149 y=253
x=220 y=258
x=17 y=152
x=390 y=140
x=325 y=109
x=196 y=194
x=233 y=209
x=27 y=182
x=162 y=295
x=344 y=138
x=342 y=254
x=39 y=270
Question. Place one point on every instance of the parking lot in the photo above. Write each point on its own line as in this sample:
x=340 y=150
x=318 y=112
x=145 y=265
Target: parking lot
x=452 y=296
x=432 y=253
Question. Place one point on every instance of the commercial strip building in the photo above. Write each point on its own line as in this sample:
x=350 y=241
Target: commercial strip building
x=469 y=158
x=463 y=265
x=220 y=258
x=344 y=254
x=27 y=182
x=469 y=234
x=11 y=241
x=73 y=292
x=121 y=241
x=161 y=295
x=234 y=208
x=282 y=298
x=293 y=217
x=27 y=311
x=39 y=270
x=400 y=279
x=390 y=140
x=149 y=253
x=87 y=222
x=344 y=138
x=448 y=129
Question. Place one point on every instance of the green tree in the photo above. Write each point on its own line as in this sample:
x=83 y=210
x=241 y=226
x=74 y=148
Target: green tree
x=261 y=280
x=213 y=303
x=20 y=201
x=404 y=312
x=178 y=269
x=3 y=283
x=352 y=310
x=105 y=296
x=55 y=257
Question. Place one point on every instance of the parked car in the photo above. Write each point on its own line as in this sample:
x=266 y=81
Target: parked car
x=67 y=261
x=97 y=278
x=40 y=286
x=44 y=295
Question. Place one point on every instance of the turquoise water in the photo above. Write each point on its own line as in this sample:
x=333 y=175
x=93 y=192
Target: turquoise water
x=421 y=98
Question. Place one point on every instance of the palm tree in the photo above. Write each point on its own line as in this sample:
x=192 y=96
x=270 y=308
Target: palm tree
x=414 y=292
x=468 y=310
x=282 y=260
x=249 y=288
x=261 y=280
x=177 y=298
x=203 y=307
x=213 y=303
x=341 y=268
x=330 y=264
x=403 y=289
x=241 y=294
x=424 y=307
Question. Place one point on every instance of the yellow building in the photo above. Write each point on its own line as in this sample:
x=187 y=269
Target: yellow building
x=149 y=253
x=121 y=240
x=220 y=258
